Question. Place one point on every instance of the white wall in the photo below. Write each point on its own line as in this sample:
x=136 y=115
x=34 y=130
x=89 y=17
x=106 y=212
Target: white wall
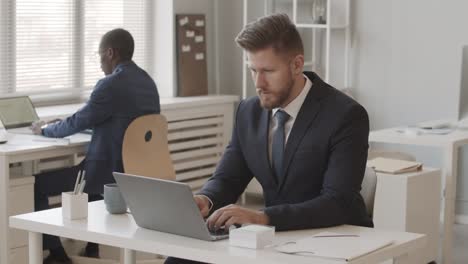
x=164 y=70
x=406 y=66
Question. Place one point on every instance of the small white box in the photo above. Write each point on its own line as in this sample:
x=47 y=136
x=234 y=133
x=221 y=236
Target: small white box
x=74 y=206
x=252 y=236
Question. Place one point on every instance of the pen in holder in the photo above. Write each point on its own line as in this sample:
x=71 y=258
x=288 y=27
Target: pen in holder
x=74 y=206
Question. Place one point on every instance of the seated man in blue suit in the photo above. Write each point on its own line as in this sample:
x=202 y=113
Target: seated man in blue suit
x=304 y=141
x=125 y=93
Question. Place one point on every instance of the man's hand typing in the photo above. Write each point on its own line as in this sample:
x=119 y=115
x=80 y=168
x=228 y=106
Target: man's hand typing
x=234 y=214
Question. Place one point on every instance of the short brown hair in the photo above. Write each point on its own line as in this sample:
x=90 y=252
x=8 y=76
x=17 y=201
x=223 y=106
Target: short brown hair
x=276 y=31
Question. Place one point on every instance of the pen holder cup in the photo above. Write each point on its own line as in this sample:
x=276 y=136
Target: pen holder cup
x=74 y=206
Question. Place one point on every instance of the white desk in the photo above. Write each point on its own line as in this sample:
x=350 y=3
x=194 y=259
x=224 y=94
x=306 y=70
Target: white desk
x=121 y=231
x=449 y=144
x=22 y=148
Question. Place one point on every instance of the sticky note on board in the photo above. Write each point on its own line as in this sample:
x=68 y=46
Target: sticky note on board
x=199 y=56
x=186 y=48
x=183 y=21
x=199 y=22
x=190 y=33
x=198 y=39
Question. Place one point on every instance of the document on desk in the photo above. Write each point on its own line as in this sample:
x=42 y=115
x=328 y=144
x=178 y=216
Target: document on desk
x=334 y=246
x=394 y=166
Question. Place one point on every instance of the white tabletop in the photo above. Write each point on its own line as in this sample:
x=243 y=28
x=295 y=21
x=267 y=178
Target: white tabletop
x=22 y=143
x=18 y=144
x=121 y=231
x=397 y=136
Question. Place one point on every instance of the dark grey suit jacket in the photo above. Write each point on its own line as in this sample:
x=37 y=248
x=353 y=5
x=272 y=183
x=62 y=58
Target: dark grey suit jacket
x=324 y=162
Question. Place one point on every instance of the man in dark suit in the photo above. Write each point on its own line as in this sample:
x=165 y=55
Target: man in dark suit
x=303 y=140
x=125 y=93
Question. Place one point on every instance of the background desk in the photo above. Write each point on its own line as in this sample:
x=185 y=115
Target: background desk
x=199 y=129
x=449 y=144
x=22 y=148
x=121 y=231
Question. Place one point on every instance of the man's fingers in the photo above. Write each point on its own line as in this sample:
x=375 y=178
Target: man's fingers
x=222 y=219
x=232 y=221
x=213 y=218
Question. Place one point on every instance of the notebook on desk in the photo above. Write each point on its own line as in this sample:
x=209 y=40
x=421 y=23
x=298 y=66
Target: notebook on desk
x=393 y=166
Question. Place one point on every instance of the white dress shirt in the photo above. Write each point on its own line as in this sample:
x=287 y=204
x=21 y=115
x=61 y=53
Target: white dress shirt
x=292 y=109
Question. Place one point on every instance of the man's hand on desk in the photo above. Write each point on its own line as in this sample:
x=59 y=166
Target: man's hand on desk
x=37 y=126
x=234 y=214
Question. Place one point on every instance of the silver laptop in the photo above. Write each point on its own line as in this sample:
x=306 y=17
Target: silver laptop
x=165 y=206
x=17 y=114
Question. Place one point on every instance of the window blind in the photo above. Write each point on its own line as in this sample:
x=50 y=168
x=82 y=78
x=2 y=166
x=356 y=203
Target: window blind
x=104 y=15
x=49 y=46
x=43 y=45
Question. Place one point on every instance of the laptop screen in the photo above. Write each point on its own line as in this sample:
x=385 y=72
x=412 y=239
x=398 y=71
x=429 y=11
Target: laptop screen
x=463 y=98
x=17 y=112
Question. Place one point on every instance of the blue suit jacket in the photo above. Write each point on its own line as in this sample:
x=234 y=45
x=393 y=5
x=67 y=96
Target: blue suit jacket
x=324 y=162
x=117 y=99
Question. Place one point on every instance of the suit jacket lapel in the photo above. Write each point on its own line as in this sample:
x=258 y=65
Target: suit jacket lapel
x=304 y=119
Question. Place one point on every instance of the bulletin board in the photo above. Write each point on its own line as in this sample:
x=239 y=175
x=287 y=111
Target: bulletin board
x=191 y=55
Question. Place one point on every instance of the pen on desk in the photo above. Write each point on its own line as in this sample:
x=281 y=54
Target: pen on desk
x=337 y=236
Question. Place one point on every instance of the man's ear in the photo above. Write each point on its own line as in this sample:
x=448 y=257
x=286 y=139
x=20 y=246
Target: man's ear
x=110 y=53
x=297 y=64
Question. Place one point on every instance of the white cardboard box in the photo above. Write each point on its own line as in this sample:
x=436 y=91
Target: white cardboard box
x=252 y=236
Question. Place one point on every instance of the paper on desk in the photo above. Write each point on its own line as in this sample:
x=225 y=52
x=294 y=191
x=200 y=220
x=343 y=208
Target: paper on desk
x=53 y=141
x=393 y=166
x=437 y=131
x=334 y=247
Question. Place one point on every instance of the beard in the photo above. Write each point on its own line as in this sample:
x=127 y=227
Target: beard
x=271 y=100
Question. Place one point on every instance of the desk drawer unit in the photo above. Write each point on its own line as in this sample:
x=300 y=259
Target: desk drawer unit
x=19 y=255
x=21 y=198
x=410 y=202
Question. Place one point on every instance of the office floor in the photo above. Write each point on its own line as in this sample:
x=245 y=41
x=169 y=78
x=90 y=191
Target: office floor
x=73 y=247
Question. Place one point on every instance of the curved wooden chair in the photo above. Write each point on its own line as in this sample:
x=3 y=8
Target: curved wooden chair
x=145 y=150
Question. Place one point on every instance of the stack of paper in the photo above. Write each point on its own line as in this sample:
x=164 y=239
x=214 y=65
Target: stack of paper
x=334 y=246
x=393 y=166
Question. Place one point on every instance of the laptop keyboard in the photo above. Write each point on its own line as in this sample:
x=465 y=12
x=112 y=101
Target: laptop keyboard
x=219 y=232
